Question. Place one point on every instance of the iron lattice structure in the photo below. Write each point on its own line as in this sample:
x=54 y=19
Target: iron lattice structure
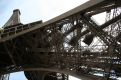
x=70 y=44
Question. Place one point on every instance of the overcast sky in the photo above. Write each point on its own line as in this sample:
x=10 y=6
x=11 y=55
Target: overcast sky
x=34 y=10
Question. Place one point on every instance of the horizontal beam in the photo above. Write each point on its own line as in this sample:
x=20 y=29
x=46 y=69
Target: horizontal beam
x=76 y=10
x=106 y=6
x=100 y=27
x=68 y=72
x=100 y=10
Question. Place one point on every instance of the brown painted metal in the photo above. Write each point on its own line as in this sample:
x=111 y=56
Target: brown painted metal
x=55 y=48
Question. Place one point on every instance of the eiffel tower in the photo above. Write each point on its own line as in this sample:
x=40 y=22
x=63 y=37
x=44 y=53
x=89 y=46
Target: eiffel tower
x=73 y=43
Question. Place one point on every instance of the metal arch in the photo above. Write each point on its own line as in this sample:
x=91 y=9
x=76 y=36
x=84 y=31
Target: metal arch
x=72 y=73
x=40 y=34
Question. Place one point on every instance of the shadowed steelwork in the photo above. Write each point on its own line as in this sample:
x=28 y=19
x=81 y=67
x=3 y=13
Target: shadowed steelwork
x=70 y=44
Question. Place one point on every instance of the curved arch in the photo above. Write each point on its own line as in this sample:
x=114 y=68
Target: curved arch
x=68 y=72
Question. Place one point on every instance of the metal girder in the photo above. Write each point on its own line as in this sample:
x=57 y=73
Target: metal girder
x=35 y=53
x=94 y=28
x=117 y=18
x=14 y=19
x=68 y=72
x=10 y=54
x=104 y=8
x=77 y=10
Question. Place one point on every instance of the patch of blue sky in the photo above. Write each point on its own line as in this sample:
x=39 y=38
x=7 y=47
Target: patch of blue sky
x=6 y=8
x=34 y=10
x=17 y=76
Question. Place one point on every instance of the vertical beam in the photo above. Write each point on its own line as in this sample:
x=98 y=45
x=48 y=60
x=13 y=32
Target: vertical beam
x=9 y=53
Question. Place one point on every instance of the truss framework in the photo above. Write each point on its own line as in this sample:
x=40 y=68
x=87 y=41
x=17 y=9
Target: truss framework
x=70 y=44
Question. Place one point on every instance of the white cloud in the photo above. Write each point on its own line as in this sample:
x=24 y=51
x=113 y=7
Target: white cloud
x=73 y=78
x=34 y=10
